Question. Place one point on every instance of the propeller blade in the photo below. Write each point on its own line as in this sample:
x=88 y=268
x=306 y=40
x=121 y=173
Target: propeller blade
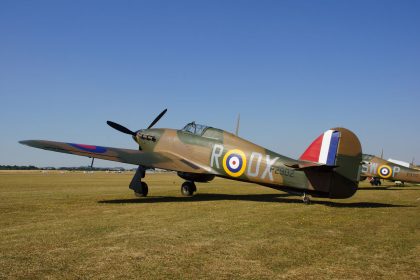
x=157 y=118
x=120 y=128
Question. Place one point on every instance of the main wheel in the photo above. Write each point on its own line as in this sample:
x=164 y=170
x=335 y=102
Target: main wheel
x=143 y=191
x=188 y=188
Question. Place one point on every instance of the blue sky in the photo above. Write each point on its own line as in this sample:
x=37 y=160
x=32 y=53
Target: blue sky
x=292 y=69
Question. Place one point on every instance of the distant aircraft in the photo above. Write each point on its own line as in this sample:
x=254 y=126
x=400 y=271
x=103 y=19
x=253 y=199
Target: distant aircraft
x=328 y=168
x=404 y=163
x=377 y=168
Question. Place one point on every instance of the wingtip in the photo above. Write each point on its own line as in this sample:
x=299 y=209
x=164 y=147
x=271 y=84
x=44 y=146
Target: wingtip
x=30 y=143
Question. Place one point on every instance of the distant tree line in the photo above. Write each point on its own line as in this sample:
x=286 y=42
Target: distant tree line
x=80 y=168
x=15 y=167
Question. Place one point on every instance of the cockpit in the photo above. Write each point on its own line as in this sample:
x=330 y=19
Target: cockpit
x=203 y=131
x=194 y=128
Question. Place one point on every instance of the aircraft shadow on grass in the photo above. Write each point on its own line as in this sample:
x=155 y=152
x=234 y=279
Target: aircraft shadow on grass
x=388 y=188
x=274 y=198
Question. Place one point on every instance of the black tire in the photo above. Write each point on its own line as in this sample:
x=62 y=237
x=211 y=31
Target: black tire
x=143 y=191
x=188 y=188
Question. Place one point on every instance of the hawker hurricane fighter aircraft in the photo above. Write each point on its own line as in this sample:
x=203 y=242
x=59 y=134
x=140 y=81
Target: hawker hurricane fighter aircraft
x=328 y=168
x=377 y=168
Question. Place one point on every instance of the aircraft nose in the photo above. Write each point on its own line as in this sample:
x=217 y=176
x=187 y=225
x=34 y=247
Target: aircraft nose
x=136 y=138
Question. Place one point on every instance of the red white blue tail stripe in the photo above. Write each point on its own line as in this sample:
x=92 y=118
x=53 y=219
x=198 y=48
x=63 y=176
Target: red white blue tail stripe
x=323 y=149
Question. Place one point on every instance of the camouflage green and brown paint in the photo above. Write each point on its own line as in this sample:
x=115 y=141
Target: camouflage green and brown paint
x=373 y=166
x=200 y=153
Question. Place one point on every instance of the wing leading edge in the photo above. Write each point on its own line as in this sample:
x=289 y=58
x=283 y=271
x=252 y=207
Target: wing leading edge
x=163 y=160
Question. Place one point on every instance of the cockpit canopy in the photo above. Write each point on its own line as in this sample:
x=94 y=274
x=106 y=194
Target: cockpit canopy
x=194 y=128
x=367 y=156
x=203 y=130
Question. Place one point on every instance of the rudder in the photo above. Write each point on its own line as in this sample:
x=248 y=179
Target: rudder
x=339 y=149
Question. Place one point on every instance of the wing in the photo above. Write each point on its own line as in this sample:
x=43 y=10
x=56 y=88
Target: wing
x=163 y=160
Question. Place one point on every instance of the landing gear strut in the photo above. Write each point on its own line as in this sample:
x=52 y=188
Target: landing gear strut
x=140 y=188
x=188 y=188
x=306 y=199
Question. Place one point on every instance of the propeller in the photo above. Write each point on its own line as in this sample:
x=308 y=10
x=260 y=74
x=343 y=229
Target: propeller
x=125 y=130
x=157 y=118
x=120 y=128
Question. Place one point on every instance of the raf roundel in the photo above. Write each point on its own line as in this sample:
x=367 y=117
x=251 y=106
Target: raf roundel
x=385 y=171
x=89 y=148
x=234 y=163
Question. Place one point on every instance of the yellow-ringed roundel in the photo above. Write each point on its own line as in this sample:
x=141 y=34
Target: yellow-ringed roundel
x=234 y=163
x=385 y=171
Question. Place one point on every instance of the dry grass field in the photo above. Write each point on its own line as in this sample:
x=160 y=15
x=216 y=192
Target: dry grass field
x=89 y=226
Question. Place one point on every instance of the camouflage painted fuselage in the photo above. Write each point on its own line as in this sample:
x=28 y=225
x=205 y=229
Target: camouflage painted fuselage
x=212 y=153
x=373 y=166
x=330 y=166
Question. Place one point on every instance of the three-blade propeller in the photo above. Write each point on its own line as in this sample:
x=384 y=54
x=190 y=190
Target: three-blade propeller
x=125 y=130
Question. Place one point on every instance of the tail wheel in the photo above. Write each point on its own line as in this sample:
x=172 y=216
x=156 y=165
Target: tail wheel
x=143 y=191
x=188 y=188
x=306 y=199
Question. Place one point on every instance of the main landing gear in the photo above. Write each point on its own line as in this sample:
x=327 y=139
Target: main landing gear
x=375 y=181
x=141 y=189
x=188 y=188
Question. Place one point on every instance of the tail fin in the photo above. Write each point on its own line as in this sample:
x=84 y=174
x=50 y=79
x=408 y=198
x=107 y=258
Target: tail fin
x=324 y=149
x=340 y=149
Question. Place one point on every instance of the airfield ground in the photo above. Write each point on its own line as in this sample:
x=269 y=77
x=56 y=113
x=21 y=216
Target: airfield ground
x=77 y=225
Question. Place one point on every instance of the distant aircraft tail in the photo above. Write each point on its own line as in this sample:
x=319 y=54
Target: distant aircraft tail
x=332 y=163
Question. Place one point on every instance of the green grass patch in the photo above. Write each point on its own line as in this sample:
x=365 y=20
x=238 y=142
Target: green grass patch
x=77 y=225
